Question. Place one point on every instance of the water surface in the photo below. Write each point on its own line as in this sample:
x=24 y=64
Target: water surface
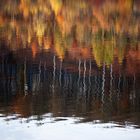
x=70 y=68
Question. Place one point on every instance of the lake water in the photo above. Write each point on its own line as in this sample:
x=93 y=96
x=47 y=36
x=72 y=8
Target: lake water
x=70 y=69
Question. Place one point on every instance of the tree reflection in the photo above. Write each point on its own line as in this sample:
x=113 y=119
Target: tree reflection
x=69 y=57
x=36 y=87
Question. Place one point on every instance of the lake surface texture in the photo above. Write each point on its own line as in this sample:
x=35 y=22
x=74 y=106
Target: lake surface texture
x=70 y=69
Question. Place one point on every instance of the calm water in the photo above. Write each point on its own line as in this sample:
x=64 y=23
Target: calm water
x=70 y=69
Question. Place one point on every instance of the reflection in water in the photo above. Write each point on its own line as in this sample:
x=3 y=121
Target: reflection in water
x=70 y=58
x=33 y=87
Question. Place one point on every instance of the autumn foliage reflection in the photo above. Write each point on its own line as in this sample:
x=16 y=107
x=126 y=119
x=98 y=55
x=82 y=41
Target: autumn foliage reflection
x=71 y=26
x=70 y=58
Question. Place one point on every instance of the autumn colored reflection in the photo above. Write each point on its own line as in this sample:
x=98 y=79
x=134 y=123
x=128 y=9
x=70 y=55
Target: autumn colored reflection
x=33 y=86
x=70 y=58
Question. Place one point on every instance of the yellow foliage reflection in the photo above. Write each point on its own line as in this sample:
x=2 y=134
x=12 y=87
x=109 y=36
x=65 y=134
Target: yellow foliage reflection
x=96 y=25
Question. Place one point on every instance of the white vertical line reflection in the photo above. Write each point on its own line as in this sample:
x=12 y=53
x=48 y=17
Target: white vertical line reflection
x=54 y=69
x=134 y=90
x=25 y=79
x=60 y=73
x=84 y=78
x=39 y=76
x=89 y=88
x=79 y=69
x=90 y=73
x=103 y=85
x=111 y=80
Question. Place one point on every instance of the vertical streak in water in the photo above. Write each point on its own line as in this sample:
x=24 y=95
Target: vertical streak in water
x=3 y=64
x=70 y=82
x=103 y=85
x=64 y=78
x=124 y=83
x=60 y=72
x=89 y=79
x=25 y=80
x=96 y=85
x=44 y=70
x=54 y=70
x=134 y=90
x=3 y=72
x=111 y=79
x=119 y=90
x=90 y=73
x=39 y=75
x=79 y=69
x=84 y=82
